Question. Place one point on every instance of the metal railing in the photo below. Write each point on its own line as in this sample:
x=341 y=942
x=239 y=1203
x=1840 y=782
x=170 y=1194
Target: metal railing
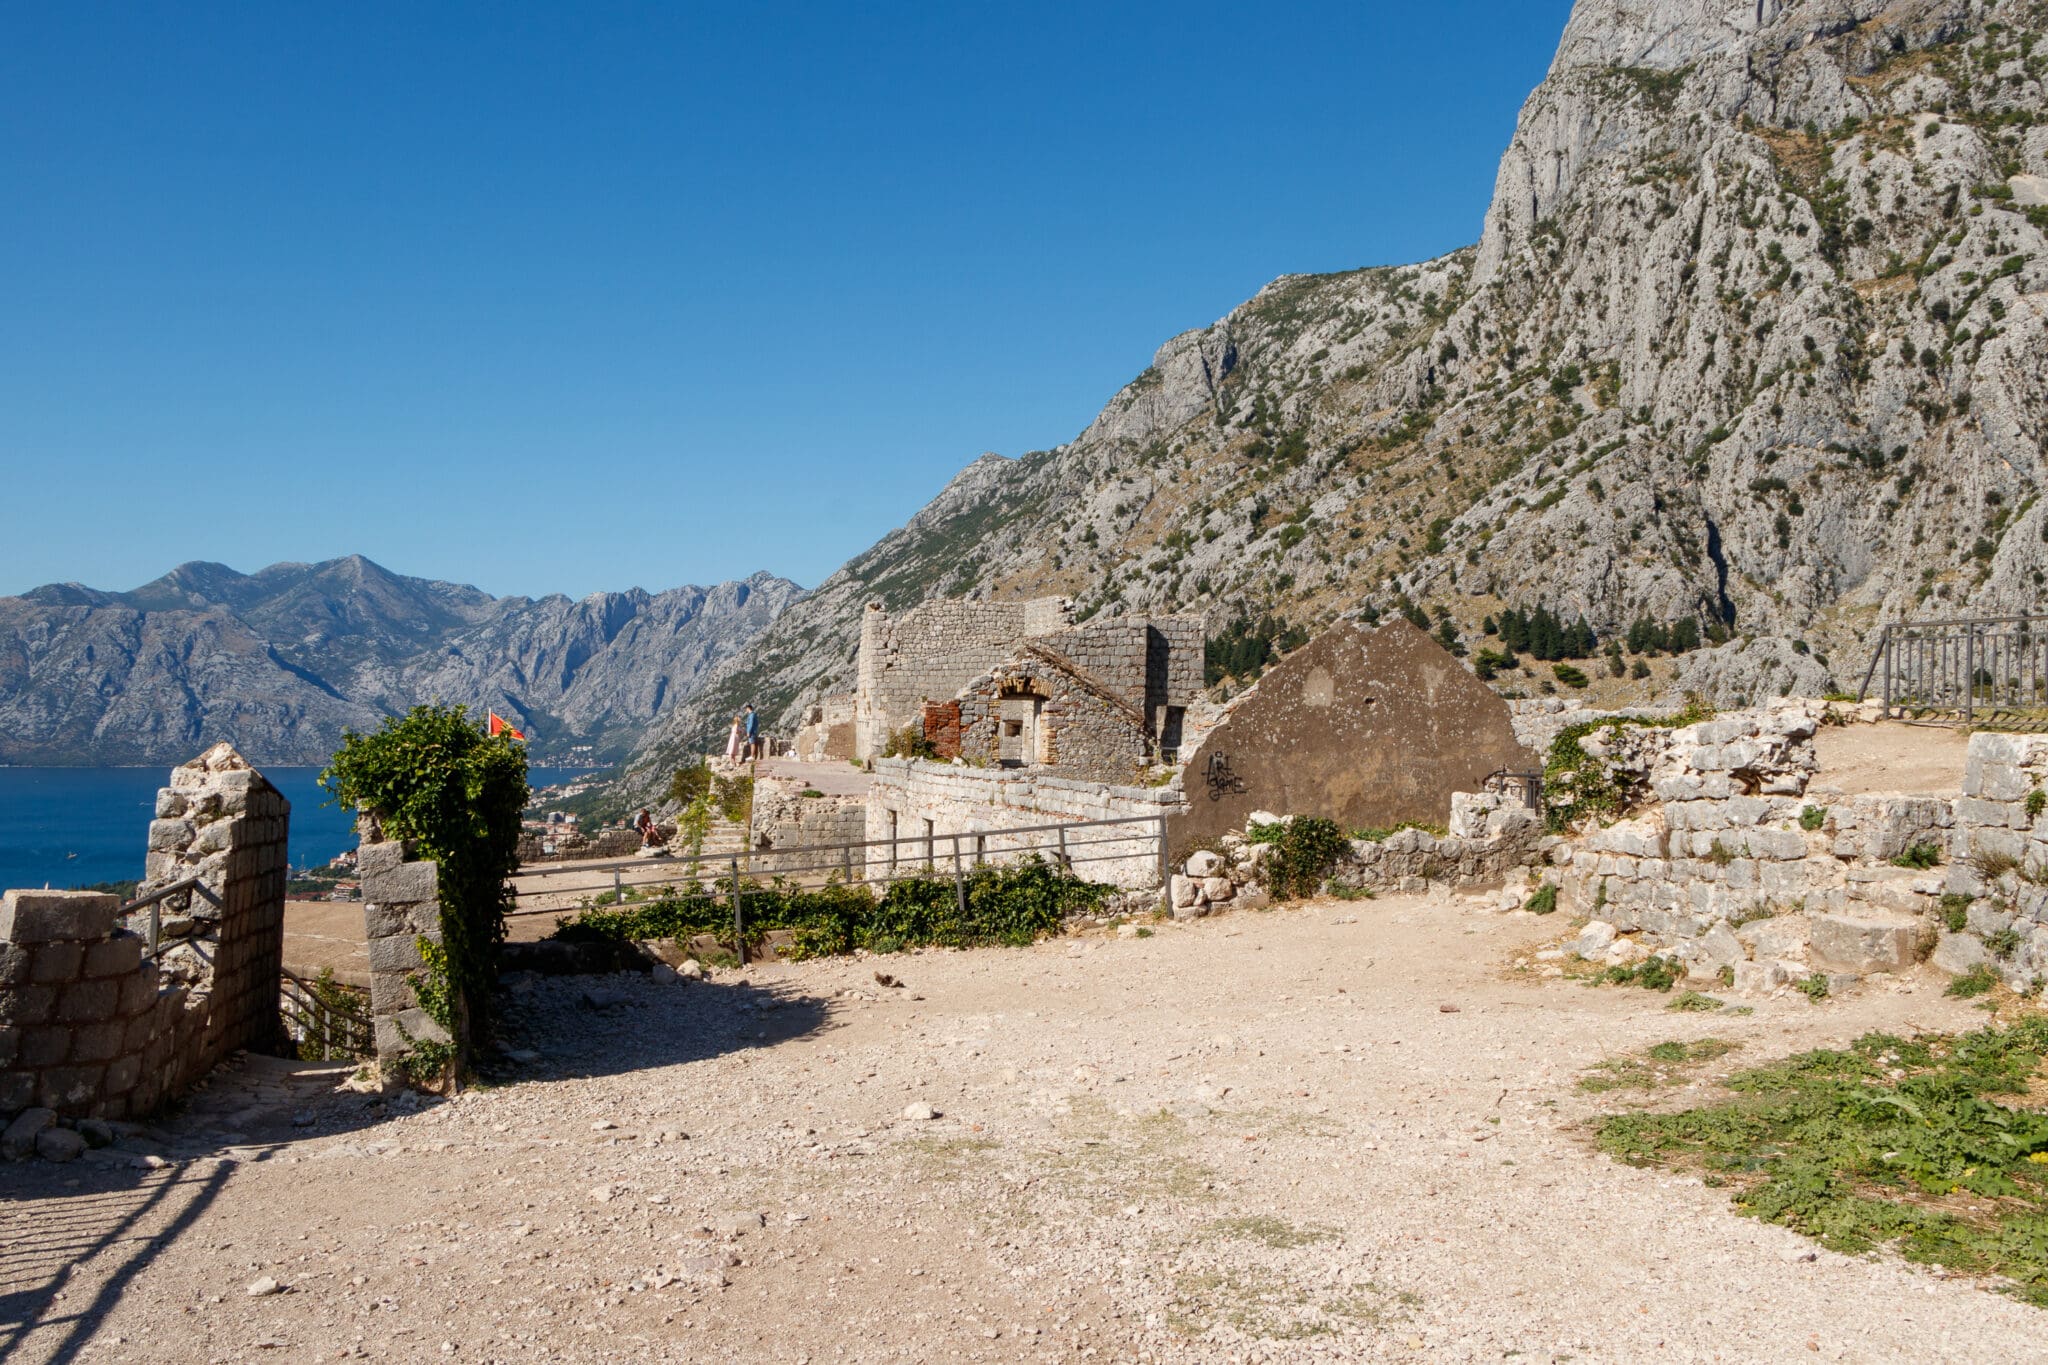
x=321 y=1022
x=1126 y=851
x=179 y=894
x=1997 y=663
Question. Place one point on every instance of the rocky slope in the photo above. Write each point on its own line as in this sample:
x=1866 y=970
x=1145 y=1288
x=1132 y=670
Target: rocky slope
x=280 y=661
x=1754 y=335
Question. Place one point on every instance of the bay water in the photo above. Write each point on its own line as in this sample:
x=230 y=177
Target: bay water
x=65 y=827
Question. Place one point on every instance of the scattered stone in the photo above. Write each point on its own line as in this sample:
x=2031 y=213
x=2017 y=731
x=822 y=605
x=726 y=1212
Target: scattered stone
x=920 y=1113
x=262 y=1287
x=18 y=1143
x=691 y=970
x=1203 y=863
x=603 y=1126
x=59 y=1144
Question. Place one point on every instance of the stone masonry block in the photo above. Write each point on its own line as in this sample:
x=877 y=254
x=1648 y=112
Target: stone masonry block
x=47 y=1045
x=69 y=1088
x=56 y=916
x=1863 y=944
x=88 y=1001
x=408 y=882
x=380 y=857
x=171 y=836
x=382 y=921
x=118 y=956
x=58 y=962
x=97 y=1042
x=398 y=953
x=122 y=1074
x=28 y=1004
x=14 y=965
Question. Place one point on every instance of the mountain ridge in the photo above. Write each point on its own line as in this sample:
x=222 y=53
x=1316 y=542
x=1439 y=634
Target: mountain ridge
x=282 y=660
x=1754 y=335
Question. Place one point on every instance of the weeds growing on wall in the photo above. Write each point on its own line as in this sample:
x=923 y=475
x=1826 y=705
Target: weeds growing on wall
x=1013 y=904
x=1578 y=786
x=1889 y=1142
x=1305 y=852
x=437 y=778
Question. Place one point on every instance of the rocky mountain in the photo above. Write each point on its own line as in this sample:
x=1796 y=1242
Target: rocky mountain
x=1753 y=338
x=281 y=661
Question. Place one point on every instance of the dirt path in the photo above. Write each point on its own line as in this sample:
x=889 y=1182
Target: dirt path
x=1260 y=1137
x=1892 y=757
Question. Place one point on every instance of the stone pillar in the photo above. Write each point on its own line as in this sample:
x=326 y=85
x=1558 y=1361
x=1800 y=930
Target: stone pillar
x=87 y=1028
x=399 y=909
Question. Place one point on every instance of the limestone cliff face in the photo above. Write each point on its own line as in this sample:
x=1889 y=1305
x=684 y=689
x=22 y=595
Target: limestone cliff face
x=280 y=661
x=1756 y=333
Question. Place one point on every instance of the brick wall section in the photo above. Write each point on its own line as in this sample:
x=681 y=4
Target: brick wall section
x=942 y=728
x=979 y=804
x=399 y=909
x=87 y=1027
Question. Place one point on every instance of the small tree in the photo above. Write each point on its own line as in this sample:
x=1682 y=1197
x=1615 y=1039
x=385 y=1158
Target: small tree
x=437 y=778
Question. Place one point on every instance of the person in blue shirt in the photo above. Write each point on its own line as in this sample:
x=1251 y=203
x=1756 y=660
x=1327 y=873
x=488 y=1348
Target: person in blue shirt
x=753 y=732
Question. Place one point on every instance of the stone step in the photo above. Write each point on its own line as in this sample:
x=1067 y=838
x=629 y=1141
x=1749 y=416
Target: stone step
x=1871 y=941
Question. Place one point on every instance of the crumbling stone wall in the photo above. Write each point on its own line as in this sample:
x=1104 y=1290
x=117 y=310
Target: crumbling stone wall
x=400 y=907
x=784 y=818
x=934 y=651
x=2000 y=861
x=910 y=801
x=87 y=1027
x=1078 y=726
x=826 y=734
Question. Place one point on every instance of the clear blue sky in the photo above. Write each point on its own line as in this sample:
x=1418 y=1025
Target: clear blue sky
x=582 y=296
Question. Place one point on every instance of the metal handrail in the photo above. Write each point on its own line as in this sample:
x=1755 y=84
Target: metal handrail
x=155 y=899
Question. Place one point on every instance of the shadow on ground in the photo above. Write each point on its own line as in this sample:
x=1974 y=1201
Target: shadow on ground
x=581 y=1026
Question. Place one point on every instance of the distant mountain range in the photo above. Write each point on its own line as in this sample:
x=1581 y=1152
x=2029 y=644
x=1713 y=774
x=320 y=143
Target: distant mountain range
x=279 y=662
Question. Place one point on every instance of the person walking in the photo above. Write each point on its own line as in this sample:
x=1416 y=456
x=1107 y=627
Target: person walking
x=733 y=739
x=753 y=732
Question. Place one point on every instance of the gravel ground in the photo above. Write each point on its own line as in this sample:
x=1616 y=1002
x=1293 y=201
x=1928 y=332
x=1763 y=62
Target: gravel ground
x=1347 y=1132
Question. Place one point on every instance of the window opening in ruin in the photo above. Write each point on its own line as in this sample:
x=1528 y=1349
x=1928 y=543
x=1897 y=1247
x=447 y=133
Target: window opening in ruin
x=1017 y=739
x=1170 y=734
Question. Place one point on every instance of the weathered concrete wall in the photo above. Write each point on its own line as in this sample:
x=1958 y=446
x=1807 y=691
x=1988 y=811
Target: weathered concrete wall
x=1371 y=729
x=913 y=801
x=87 y=1027
x=400 y=907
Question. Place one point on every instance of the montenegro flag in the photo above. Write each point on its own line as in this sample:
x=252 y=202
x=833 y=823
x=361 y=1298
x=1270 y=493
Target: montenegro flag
x=501 y=726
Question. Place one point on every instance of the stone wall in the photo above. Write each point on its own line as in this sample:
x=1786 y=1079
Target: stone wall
x=1733 y=859
x=400 y=907
x=915 y=801
x=826 y=734
x=1372 y=729
x=87 y=1027
x=784 y=818
x=932 y=652
x=1069 y=722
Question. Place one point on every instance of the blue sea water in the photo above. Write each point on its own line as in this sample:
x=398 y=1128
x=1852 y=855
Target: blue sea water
x=67 y=827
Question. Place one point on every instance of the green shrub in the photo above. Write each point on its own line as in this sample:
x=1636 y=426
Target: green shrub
x=1570 y=676
x=1813 y=817
x=1305 y=851
x=909 y=742
x=437 y=778
x=1544 y=902
x=1011 y=904
x=2003 y=943
x=1815 y=987
x=1974 y=982
x=2037 y=801
x=1652 y=974
x=1920 y=857
x=1955 y=912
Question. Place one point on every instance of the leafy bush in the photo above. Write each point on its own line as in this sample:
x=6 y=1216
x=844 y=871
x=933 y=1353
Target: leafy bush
x=2037 y=800
x=1010 y=904
x=1813 y=817
x=1652 y=974
x=1305 y=851
x=1815 y=987
x=1920 y=857
x=436 y=777
x=1544 y=902
x=909 y=742
x=1955 y=912
x=1570 y=676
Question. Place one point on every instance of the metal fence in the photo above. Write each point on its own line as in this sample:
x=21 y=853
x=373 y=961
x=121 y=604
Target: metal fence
x=326 y=1022
x=1961 y=667
x=1129 y=852
x=178 y=896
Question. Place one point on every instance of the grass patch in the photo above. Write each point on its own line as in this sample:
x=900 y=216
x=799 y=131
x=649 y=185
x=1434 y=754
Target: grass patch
x=1271 y=1232
x=1920 y=857
x=1976 y=981
x=1656 y=1067
x=1888 y=1142
x=1543 y=902
x=1652 y=974
x=1692 y=1002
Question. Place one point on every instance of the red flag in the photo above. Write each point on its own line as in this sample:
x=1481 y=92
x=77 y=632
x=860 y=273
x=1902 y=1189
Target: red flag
x=501 y=726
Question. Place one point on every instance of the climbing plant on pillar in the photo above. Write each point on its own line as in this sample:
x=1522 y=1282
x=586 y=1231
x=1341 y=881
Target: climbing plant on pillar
x=440 y=780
